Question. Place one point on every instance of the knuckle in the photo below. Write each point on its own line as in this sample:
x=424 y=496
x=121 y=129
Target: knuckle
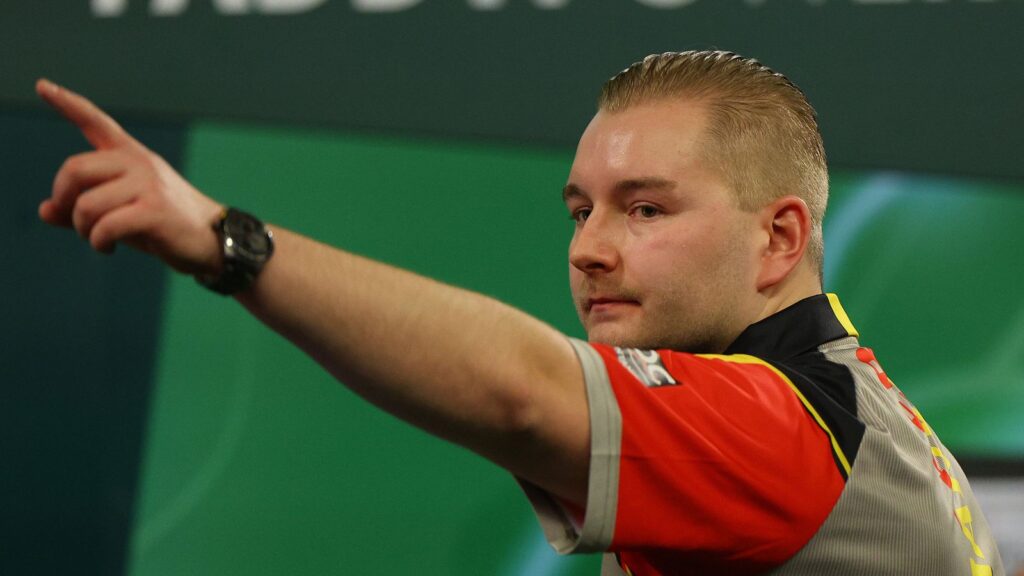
x=79 y=224
x=73 y=164
x=85 y=209
x=70 y=173
x=81 y=227
x=150 y=159
x=98 y=239
x=67 y=174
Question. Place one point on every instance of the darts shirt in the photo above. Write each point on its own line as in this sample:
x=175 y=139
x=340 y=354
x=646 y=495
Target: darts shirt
x=791 y=453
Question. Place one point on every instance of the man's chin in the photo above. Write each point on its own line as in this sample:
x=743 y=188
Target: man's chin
x=621 y=336
x=624 y=337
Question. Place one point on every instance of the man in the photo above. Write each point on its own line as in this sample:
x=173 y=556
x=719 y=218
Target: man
x=759 y=437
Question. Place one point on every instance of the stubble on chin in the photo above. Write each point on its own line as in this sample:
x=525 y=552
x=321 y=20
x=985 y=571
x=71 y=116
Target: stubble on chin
x=677 y=334
x=625 y=334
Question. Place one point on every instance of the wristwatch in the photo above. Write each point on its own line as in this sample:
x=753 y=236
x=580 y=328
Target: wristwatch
x=246 y=244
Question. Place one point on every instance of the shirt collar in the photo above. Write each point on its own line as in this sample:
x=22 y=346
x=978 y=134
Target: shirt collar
x=800 y=328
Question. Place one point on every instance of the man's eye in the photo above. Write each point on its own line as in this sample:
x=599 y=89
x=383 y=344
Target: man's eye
x=580 y=215
x=647 y=211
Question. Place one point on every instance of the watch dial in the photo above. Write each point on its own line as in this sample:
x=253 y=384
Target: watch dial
x=251 y=239
x=257 y=242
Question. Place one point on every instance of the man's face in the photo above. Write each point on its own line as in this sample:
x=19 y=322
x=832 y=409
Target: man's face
x=661 y=256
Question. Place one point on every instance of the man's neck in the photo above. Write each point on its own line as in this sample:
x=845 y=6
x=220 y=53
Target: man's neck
x=798 y=286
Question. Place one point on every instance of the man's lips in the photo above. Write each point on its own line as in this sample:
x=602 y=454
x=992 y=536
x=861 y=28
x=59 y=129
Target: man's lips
x=601 y=303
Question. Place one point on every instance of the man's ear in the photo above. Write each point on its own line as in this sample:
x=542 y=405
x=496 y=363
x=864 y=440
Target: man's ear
x=787 y=222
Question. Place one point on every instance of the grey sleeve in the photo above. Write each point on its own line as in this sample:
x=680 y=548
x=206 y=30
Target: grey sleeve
x=564 y=535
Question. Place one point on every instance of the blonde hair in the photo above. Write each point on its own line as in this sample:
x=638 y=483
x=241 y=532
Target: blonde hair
x=763 y=133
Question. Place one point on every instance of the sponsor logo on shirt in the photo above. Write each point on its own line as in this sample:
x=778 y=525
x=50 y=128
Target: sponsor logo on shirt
x=646 y=366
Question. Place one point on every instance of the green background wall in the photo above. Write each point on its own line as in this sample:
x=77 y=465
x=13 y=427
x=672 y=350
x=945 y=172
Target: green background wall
x=149 y=427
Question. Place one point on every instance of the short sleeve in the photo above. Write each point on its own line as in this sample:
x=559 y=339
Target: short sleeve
x=696 y=458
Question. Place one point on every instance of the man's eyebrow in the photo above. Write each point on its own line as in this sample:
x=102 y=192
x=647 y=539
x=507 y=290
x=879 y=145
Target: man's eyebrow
x=651 y=183
x=633 y=184
x=571 y=191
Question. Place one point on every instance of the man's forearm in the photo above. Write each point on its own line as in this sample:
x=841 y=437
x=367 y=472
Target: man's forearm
x=455 y=363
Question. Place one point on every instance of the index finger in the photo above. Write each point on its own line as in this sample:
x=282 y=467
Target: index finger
x=99 y=129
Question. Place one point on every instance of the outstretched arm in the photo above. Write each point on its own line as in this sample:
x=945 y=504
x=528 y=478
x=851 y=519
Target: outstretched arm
x=455 y=363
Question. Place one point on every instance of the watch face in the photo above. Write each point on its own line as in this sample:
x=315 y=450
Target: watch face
x=251 y=239
x=258 y=243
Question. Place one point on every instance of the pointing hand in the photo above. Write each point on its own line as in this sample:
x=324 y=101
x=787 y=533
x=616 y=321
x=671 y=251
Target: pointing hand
x=123 y=192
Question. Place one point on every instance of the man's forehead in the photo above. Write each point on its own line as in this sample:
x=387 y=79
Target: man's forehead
x=661 y=127
x=640 y=147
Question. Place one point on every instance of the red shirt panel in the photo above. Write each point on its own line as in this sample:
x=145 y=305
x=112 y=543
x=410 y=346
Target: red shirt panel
x=726 y=468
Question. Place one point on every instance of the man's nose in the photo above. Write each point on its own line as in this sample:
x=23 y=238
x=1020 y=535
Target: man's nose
x=594 y=247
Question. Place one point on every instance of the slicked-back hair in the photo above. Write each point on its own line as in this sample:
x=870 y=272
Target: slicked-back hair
x=762 y=133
